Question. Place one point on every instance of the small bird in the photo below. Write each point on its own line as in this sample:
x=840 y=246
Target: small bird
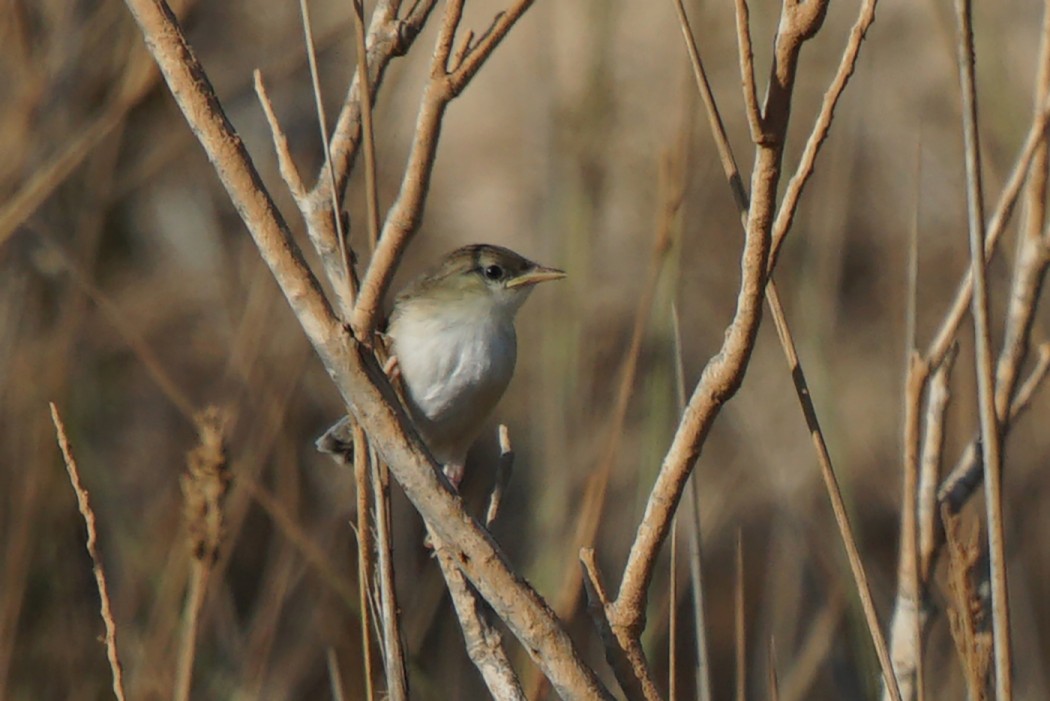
x=453 y=341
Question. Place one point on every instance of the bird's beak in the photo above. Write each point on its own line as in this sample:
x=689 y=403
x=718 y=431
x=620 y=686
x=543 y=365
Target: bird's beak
x=536 y=275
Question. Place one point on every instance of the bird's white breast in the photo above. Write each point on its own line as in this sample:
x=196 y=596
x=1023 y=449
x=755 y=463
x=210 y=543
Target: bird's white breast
x=455 y=366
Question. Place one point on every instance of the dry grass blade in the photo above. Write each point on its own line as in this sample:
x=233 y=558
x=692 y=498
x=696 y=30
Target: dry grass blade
x=390 y=612
x=371 y=188
x=345 y=289
x=990 y=436
x=365 y=554
x=739 y=617
x=84 y=504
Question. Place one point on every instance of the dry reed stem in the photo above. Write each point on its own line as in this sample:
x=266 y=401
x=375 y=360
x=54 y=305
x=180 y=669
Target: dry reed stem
x=84 y=504
x=930 y=468
x=990 y=432
x=906 y=624
x=740 y=622
x=394 y=649
x=344 y=284
x=703 y=667
x=365 y=555
x=774 y=684
x=204 y=486
x=371 y=187
x=402 y=221
x=812 y=18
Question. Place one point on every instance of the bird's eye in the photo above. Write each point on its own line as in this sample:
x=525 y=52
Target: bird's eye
x=493 y=272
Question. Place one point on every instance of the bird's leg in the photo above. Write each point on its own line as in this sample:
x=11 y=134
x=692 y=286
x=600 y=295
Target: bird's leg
x=392 y=369
x=454 y=473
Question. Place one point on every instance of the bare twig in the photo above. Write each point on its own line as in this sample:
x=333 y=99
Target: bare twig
x=1034 y=140
x=627 y=662
x=356 y=372
x=289 y=173
x=821 y=127
x=406 y=213
x=723 y=374
x=484 y=643
x=747 y=69
x=801 y=26
x=84 y=504
x=504 y=469
x=990 y=435
x=930 y=467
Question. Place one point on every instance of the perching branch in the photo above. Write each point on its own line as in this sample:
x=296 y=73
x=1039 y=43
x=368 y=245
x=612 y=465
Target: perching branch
x=355 y=370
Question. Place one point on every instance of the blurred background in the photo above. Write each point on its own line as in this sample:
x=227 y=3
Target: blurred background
x=132 y=296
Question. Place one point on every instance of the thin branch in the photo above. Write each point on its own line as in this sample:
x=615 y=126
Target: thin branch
x=1034 y=140
x=406 y=213
x=747 y=68
x=354 y=369
x=990 y=435
x=627 y=661
x=956 y=489
x=289 y=173
x=932 y=451
x=484 y=643
x=797 y=28
x=821 y=127
x=723 y=374
x=84 y=504
x=906 y=625
x=504 y=469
